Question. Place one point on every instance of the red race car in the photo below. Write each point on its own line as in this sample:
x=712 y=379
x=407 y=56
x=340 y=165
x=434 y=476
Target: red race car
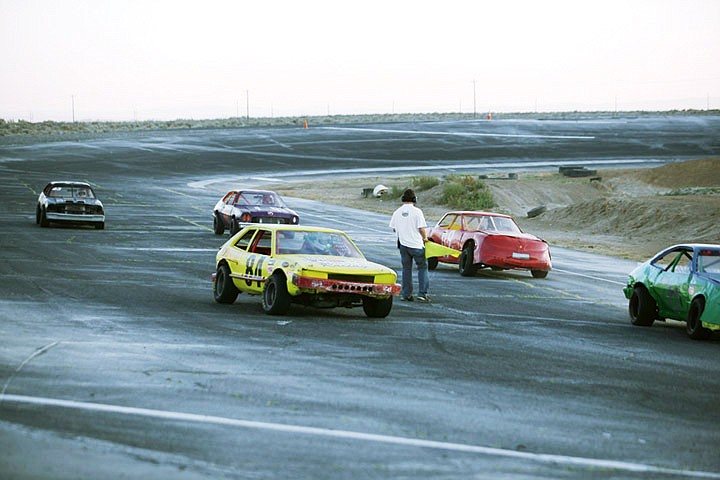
x=489 y=240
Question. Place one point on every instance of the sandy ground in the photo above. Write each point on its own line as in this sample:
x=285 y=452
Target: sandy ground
x=627 y=213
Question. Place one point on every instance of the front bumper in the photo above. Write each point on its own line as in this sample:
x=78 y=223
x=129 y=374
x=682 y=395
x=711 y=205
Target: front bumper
x=74 y=217
x=343 y=286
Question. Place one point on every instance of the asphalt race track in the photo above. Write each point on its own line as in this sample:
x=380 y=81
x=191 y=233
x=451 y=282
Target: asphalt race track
x=117 y=363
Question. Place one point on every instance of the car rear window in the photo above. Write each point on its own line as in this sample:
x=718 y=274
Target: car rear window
x=709 y=261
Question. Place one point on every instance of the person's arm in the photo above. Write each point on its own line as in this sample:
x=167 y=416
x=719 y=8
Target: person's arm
x=423 y=234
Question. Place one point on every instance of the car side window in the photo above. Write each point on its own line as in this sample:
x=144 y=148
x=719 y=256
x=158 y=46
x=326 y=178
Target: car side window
x=472 y=223
x=682 y=264
x=486 y=224
x=244 y=242
x=446 y=221
x=666 y=260
x=456 y=224
x=708 y=261
x=262 y=243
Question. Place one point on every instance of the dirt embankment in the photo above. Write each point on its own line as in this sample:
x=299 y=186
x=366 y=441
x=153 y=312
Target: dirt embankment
x=629 y=213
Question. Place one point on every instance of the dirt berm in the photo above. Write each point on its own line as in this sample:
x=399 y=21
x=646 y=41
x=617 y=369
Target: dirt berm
x=627 y=213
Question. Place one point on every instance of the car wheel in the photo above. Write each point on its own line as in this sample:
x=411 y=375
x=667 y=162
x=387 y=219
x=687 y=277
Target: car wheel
x=276 y=299
x=44 y=222
x=539 y=273
x=694 y=325
x=99 y=225
x=37 y=215
x=224 y=289
x=642 y=308
x=466 y=266
x=218 y=226
x=377 y=307
x=432 y=263
x=234 y=226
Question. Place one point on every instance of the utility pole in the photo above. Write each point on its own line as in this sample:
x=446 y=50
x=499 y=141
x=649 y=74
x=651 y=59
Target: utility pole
x=474 y=102
x=73 y=107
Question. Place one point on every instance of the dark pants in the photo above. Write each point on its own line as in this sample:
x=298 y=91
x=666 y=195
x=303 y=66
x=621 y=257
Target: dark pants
x=407 y=255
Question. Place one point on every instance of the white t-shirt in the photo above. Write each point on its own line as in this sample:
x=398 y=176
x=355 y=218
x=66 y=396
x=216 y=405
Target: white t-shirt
x=406 y=221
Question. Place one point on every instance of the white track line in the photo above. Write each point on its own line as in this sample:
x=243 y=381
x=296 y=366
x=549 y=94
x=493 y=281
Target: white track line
x=463 y=134
x=591 y=277
x=368 y=437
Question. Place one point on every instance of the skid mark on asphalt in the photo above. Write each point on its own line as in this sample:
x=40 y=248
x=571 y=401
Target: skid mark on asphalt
x=582 y=462
x=36 y=353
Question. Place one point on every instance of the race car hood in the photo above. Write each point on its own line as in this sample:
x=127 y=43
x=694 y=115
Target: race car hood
x=340 y=265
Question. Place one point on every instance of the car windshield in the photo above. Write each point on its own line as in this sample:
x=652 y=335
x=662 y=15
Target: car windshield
x=268 y=199
x=708 y=261
x=315 y=243
x=71 y=191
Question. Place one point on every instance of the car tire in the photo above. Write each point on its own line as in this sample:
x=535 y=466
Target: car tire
x=694 y=327
x=234 y=226
x=44 y=222
x=224 y=289
x=99 y=225
x=432 y=263
x=37 y=215
x=276 y=299
x=642 y=308
x=466 y=266
x=377 y=307
x=218 y=226
x=539 y=273
x=537 y=211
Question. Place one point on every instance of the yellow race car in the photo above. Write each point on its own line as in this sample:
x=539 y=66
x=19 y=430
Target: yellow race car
x=312 y=266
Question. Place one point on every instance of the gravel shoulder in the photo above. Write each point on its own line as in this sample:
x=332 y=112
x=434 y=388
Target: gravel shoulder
x=626 y=213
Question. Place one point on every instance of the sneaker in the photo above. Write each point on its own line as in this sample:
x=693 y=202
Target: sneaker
x=408 y=299
x=423 y=298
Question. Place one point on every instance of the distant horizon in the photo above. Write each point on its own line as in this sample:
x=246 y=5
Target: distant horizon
x=51 y=127
x=709 y=102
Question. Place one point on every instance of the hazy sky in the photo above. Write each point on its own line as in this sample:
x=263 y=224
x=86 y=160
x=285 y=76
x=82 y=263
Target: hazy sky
x=167 y=59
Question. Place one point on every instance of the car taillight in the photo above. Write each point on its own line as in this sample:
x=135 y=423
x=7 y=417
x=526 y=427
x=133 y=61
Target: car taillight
x=246 y=217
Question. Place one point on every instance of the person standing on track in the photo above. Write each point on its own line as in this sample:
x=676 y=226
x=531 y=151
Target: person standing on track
x=409 y=224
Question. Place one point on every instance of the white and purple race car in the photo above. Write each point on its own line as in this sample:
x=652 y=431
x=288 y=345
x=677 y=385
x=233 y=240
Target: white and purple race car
x=241 y=207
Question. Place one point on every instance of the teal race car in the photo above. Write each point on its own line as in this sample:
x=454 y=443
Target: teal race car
x=682 y=283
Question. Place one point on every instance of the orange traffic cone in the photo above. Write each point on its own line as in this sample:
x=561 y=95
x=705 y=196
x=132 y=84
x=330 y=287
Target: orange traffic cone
x=305 y=124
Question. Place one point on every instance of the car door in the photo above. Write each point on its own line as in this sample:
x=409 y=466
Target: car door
x=257 y=259
x=672 y=285
x=237 y=258
x=452 y=236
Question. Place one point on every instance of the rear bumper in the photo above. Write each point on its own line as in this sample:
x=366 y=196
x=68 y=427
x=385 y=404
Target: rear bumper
x=343 y=286
x=515 y=263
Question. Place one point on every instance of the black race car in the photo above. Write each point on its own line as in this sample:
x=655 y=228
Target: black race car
x=69 y=202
